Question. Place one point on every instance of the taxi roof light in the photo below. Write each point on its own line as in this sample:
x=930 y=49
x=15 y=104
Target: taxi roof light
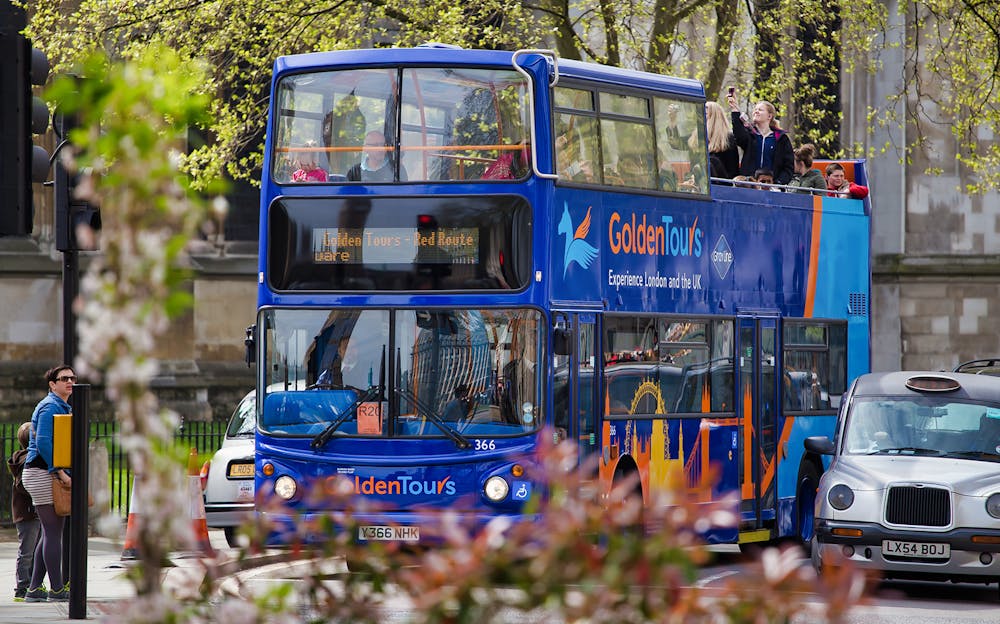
x=932 y=383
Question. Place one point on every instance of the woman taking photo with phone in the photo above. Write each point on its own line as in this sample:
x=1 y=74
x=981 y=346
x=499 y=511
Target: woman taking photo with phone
x=764 y=144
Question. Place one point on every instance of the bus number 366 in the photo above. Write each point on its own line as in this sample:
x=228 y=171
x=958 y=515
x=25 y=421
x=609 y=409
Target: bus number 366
x=486 y=445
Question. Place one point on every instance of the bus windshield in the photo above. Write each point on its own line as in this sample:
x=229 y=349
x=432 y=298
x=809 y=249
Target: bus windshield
x=401 y=373
x=399 y=125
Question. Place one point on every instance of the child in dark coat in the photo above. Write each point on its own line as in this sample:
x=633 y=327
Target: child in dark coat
x=25 y=518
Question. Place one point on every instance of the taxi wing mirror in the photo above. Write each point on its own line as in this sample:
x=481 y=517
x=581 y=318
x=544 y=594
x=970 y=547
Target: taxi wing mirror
x=820 y=445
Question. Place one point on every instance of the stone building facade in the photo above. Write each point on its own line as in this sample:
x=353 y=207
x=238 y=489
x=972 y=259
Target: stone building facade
x=936 y=272
x=936 y=248
x=202 y=369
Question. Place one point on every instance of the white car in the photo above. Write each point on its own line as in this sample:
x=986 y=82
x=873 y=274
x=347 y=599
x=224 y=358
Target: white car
x=227 y=478
x=913 y=489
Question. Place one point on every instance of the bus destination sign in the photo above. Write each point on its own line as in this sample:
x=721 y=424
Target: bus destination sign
x=389 y=245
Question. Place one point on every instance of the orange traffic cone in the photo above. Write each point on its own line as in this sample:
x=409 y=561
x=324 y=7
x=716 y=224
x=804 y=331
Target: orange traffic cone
x=129 y=550
x=197 y=505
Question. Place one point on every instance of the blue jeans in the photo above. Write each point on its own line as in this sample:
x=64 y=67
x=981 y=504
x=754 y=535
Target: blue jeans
x=28 y=532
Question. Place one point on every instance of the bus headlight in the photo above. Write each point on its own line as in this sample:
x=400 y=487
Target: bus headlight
x=496 y=489
x=285 y=487
x=993 y=505
x=841 y=497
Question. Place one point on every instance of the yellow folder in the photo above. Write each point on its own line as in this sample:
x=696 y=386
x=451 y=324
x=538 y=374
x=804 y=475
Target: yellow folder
x=62 y=440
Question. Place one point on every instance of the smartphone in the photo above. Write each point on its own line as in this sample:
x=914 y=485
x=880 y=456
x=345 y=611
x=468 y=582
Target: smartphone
x=732 y=90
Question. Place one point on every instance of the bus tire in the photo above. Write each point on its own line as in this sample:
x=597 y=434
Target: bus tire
x=623 y=476
x=805 y=503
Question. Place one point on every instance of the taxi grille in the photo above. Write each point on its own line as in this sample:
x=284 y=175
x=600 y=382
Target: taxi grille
x=918 y=506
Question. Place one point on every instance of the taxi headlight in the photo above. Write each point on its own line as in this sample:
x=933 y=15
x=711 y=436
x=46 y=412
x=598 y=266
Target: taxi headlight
x=993 y=505
x=841 y=497
x=496 y=488
x=285 y=487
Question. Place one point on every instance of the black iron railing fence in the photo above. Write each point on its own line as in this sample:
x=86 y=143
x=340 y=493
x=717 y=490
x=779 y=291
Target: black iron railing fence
x=206 y=437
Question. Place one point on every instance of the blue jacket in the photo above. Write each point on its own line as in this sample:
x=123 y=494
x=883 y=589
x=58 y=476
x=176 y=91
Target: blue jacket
x=40 y=444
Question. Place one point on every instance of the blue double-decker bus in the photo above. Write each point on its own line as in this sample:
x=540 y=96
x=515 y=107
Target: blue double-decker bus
x=462 y=251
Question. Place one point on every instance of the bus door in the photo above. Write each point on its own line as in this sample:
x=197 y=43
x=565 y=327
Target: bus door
x=575 y=382
x=757 y=411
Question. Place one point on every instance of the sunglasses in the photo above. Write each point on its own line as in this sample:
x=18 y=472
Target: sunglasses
x=66 y=378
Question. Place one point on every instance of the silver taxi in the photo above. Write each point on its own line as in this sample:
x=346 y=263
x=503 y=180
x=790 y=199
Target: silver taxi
x=913 y=488
x=227 y=479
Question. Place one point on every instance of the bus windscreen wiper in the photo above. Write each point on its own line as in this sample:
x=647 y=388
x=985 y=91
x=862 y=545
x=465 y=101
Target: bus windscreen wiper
x=324 y=436
x=460 y=441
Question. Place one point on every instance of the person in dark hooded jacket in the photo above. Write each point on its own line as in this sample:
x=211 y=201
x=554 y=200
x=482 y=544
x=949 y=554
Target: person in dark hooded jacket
x=764 y=144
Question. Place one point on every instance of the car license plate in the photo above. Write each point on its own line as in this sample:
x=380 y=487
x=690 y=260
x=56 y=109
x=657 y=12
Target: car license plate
x=245 y=492
x=240 y=471
x=389 y=533
x=919 y=550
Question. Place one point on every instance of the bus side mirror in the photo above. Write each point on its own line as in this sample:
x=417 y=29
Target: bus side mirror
x=561 y=341
x=820 y=445
x=250 y=345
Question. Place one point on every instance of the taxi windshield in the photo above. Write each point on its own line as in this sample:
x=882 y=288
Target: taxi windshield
x=929 y=426
x=401 y=373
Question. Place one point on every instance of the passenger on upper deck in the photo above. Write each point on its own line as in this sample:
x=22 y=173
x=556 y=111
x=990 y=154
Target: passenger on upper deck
x=839 y=186
x=308 y=171
x=805 y=176
x=721 y=142
x=765 y=145
x=765 y=176
x=375 y=165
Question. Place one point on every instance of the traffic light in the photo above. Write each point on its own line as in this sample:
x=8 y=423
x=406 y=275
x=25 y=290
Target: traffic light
x=77 y=220
x=21 y=115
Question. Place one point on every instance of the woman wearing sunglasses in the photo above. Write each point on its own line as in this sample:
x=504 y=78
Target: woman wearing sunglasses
x=37 y=478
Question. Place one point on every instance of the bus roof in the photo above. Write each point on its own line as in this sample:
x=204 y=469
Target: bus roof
x=627 y=77
x=450 y=56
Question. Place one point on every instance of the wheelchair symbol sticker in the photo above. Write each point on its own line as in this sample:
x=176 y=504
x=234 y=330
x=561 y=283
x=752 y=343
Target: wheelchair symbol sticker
x=521 y=491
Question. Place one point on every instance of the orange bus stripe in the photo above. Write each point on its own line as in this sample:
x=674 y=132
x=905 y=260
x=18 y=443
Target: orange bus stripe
x=817 y=227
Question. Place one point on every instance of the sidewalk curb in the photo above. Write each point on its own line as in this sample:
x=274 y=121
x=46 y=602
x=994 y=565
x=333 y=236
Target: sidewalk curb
x=287 y=568
x=186 y=577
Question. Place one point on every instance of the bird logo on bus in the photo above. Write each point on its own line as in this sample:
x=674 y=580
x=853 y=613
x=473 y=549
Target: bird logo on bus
x=577 y=249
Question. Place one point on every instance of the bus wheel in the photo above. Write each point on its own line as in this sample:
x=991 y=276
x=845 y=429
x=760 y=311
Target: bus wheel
x=232 y=537
x=627 y=485
x=805 y=504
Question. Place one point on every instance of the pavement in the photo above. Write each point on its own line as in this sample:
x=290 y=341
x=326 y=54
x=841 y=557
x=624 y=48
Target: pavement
x=107 y=586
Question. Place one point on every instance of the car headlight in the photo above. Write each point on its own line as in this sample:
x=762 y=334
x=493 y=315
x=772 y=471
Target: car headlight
x=285 y=487
x=496 y=488
x=993 y=505
x=840 y=496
